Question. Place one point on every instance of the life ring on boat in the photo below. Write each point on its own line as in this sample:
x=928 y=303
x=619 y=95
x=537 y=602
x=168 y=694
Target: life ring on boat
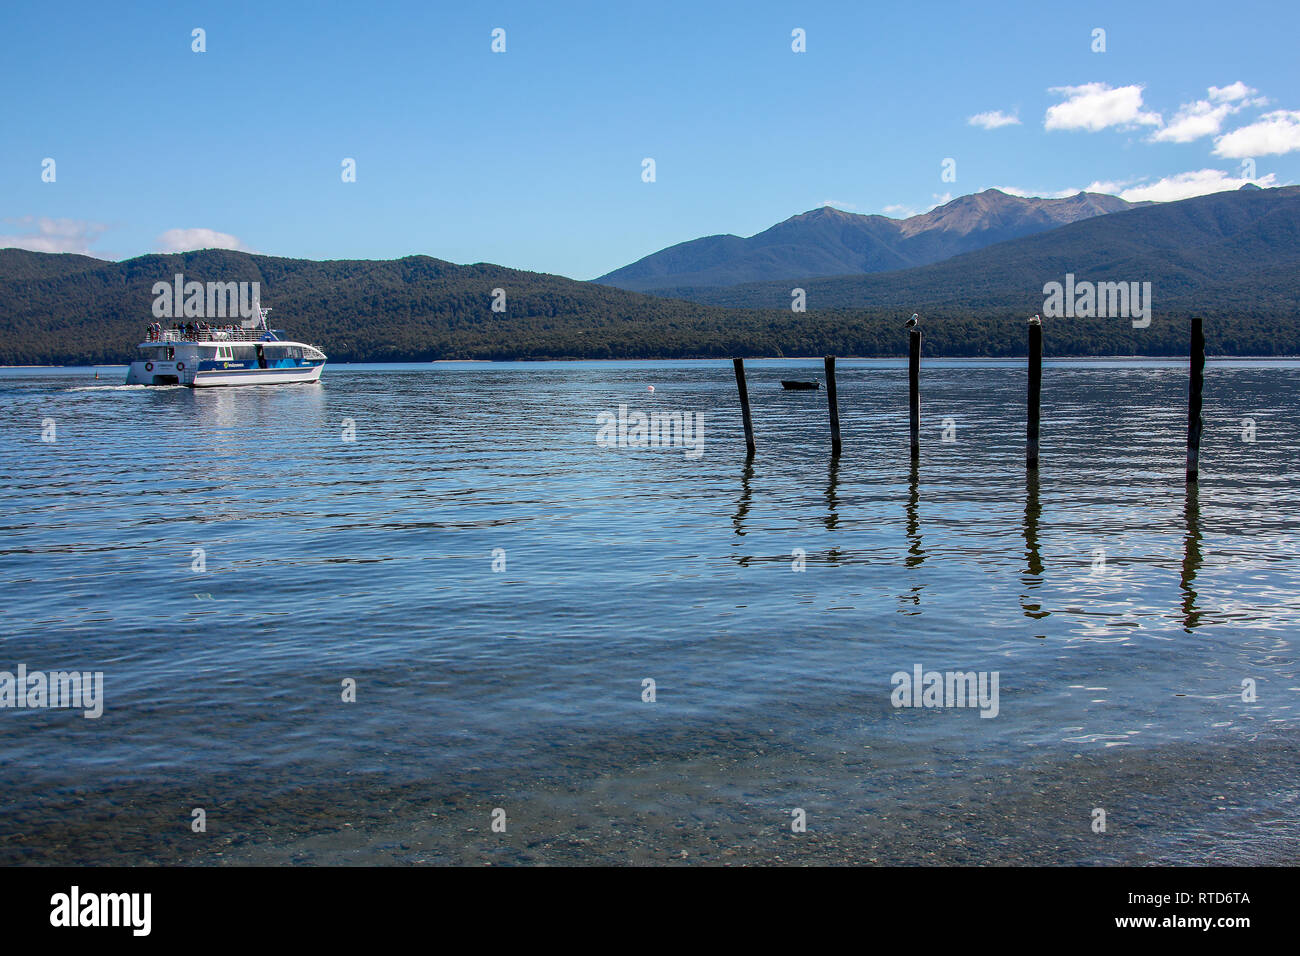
x=180 y=366
x=148 y=366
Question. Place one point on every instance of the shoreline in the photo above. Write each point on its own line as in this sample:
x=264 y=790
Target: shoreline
x=1047 y=360
x=1222 y=802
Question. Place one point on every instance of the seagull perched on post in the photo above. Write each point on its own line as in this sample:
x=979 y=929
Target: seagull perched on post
x=912 y=322
x=1035 y=321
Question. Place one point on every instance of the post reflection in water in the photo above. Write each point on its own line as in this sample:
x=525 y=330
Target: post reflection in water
x=915 y=554
x=742 y=506
x=832 y=502
x=1032 y=578
x=833 y=554
x=1192 y=558
x=911 y=602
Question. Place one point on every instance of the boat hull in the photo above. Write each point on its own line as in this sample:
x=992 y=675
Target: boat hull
x=257 y=376
x=167 y=373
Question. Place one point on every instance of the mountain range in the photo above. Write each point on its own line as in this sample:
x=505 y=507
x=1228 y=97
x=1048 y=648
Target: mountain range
x=829 y=241
x=1233 y=258
x=1225 y=253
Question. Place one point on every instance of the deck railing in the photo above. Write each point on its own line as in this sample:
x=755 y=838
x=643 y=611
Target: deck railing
x=225 y=334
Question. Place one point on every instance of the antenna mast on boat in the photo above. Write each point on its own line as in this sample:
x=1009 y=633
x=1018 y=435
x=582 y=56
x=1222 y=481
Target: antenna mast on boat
x=258 y=319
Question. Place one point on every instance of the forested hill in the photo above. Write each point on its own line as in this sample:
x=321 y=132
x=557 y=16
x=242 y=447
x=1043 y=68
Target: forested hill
x=62 y=309
x=65 y=309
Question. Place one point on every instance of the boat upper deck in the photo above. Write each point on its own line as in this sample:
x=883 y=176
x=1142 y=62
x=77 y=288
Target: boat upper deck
x=224 y=337
x=209 y=335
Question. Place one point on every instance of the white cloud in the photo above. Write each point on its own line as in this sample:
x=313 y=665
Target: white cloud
x=1272 y=134
x=901 y=211
x=1096 y=106
x=1179 y=186
x=994 y=119
x=1039 y=193
x=1109 y=187
x=188 y=240
x=1200 y=182
x=1194 y=120
x=1231 y=93
x=1205 y=117
x=53 y=235
x=837 y=204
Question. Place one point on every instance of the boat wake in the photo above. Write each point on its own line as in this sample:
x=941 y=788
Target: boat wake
x=120 y=388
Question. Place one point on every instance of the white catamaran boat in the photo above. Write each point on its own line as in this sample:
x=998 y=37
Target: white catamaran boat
x=198 y=355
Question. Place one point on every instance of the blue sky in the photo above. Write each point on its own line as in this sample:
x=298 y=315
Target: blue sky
x=532 y=158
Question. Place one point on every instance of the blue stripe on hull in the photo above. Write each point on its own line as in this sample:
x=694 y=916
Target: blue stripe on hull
x=289 y=365
x=210 y=372
x=288 y=376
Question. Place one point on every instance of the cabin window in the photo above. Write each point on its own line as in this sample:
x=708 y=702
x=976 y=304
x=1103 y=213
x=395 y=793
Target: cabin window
x=280 y=353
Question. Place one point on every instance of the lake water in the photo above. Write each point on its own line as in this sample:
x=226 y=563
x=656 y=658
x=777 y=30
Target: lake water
x=500 y=587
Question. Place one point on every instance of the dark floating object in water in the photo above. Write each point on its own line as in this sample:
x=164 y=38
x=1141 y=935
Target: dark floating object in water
x=799 y=386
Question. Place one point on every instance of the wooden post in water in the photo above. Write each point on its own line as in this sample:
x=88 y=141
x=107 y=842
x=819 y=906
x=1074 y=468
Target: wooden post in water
x=1035 y=394
x=834 y=402
x=1195 y=382
x=914 y=388
x=744 y=404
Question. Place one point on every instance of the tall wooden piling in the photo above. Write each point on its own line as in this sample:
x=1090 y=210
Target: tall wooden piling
x=1196 y=381
x=744 y=404
x=834 y=403
x=1035 y=394
x=914 y=388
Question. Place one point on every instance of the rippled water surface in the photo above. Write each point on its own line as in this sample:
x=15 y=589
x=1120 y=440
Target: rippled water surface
x=1121 y=612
